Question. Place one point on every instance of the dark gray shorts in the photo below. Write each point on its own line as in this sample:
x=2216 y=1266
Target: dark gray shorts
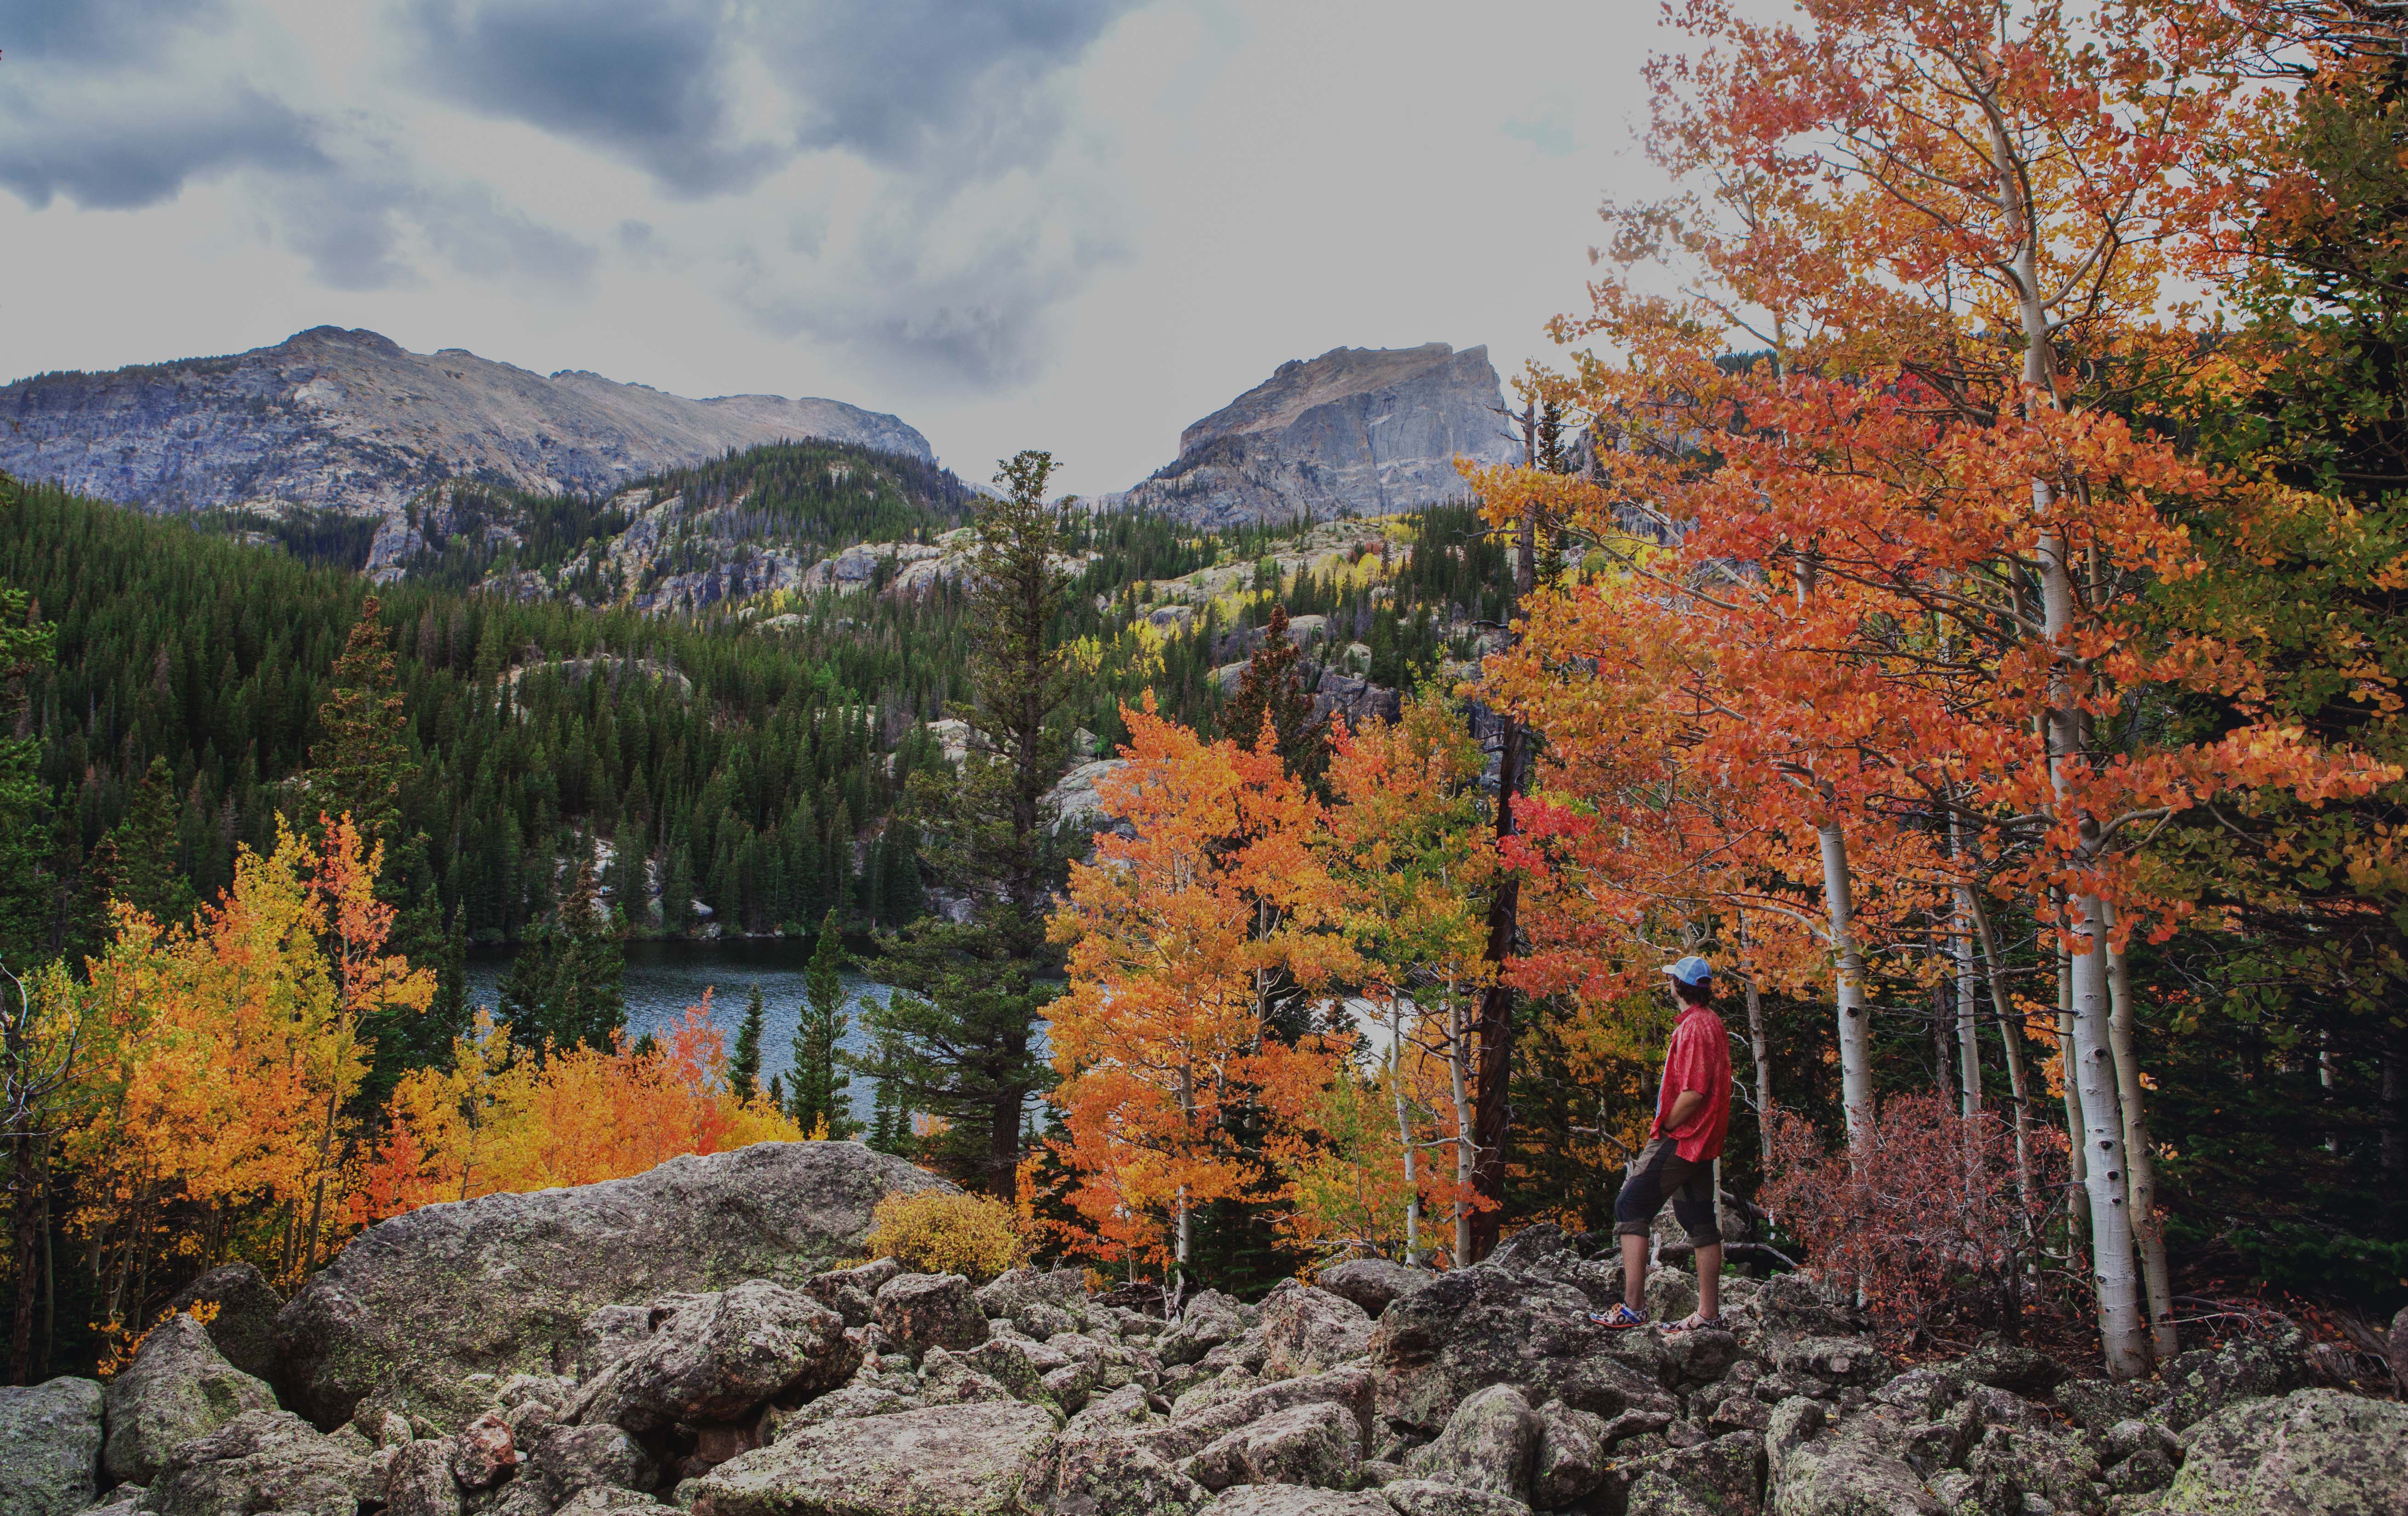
x=1660 y=1173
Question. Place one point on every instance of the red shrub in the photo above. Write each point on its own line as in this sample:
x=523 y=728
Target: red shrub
x=1930 y=1218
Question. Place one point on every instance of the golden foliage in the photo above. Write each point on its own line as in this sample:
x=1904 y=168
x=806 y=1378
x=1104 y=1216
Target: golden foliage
x=503 y=1118
x=941 y=1232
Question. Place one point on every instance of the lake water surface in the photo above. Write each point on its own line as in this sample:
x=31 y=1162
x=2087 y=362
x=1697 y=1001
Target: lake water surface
x=663 y=978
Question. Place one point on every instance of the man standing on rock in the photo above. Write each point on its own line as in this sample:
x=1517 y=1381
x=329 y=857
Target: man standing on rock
x=1692 y=1112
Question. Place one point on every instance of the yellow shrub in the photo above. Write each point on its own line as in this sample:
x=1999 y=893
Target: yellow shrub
x=934 y=1232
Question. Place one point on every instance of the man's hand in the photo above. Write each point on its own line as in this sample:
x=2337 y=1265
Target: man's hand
x=1684 y=1105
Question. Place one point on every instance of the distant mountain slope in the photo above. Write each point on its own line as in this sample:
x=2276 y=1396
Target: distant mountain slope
x=1362 y=431
x=351 y=422
x=680 y=541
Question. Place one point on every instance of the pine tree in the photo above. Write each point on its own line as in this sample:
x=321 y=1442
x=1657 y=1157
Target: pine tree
x=565 y=987
x=819 y=1085
x=955 y=1039
x=1271 y=694
x=359 y=760
x=744 y=1069
x=135 y=862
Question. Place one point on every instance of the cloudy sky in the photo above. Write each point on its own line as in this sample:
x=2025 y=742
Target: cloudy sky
x=1077 y=225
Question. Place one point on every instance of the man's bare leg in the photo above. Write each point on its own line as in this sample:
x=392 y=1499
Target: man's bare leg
x=1710 y=1281
x=1634 y=1270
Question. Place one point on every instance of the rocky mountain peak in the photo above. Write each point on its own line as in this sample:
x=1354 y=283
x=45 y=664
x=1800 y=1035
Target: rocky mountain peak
x=351 y=421
x=1360 y=431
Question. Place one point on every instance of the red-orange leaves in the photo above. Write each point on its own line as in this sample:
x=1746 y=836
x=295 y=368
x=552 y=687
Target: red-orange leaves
x=1195 y=949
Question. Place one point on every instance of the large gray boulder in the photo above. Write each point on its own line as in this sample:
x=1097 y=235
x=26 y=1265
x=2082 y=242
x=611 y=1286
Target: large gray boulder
x=1317 y=1444
x=1436 y=1497
x=1307 y=1330
x=418 y=1481
x=261 y=1461
x=1372 y=1283
x=244 y=1327
x=1294 y=1500
x=920 y=1311
x=50 y=1446
x=1475 y=1327
x=1489 y=1443
x=1208 y=1320
x=179 y=1387
x=954 y=1460
x=2205 y=1381
x=1856 y=1468
x=1571 y=1456
x=715 y=1356
x=2315 y=1453
x=494 y=1285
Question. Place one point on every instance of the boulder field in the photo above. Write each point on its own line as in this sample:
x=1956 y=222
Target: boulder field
x=596 y=1350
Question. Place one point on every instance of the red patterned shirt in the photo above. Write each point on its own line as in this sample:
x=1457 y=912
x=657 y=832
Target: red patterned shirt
x=1700 y=1060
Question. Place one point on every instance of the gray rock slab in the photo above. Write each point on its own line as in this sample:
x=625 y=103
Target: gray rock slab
x=1372 y=1283
x=260 y=1461
x=50 y=1447
x=942 y=1460
x=493 y=1285
x=1308 y=1330
x=178 y=1387
x=2314 y=1452
x=244 y=1327
x=715 y=1356
x=1295 y=1500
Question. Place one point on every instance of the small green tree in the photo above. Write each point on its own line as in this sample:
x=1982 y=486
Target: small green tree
x=1271 y=694
x=565 y=987
x=744 y=1069
x=135 y=862
x=820 y=1083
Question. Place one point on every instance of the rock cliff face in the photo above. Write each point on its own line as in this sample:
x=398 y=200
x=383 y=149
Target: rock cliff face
x=350 y=420
x=1360 y=430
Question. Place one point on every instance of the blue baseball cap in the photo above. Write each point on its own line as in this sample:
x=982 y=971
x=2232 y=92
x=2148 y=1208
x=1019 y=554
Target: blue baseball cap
x=1692 y=971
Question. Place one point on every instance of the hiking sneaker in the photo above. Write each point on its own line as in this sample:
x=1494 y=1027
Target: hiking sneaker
x=1621 y=1318
x=1695 y=1322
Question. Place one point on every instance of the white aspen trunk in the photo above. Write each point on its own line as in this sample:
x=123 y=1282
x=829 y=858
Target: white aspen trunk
x=2010 y=1034
x=2142 y=1180
x=1960 y=946
x=2119 y=1313
x=1848 y=960
x=1405 y=1132
x=2077 y=1195
x=1856 y=1024
x=2120 y=1333
x=1760 y=1049
x=1181 y=1244
x=1459 y=1059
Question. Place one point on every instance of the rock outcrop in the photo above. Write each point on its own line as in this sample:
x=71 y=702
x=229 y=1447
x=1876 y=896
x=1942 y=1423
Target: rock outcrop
x=1361 y=431
x=874 y=1391
x=244 y=1325
x=502 y=1284
x=349 y=421
x=959 y=1460
x=50 y=1447
x=178 y=1387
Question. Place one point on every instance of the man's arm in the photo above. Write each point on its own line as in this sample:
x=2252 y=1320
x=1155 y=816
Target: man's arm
x=1686 y=1105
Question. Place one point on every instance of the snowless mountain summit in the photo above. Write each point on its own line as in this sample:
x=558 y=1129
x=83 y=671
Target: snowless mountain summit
x=1360 y=431
x=350 y=420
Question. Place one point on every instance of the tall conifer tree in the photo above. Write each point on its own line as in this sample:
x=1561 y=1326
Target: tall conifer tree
x=956 y=1038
